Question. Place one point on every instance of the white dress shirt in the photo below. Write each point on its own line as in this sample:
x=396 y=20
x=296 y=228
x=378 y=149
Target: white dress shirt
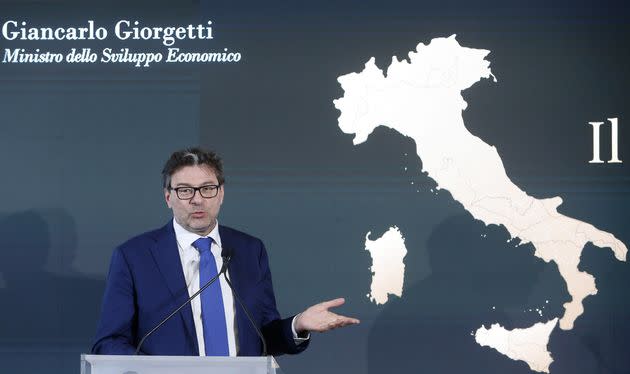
x=189 y=257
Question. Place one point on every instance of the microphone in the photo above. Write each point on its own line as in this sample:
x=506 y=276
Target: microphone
x=226 y=254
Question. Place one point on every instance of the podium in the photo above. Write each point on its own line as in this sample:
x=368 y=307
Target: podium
x=104 y=364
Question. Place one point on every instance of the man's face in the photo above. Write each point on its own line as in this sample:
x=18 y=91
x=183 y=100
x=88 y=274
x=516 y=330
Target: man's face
x=199 y=214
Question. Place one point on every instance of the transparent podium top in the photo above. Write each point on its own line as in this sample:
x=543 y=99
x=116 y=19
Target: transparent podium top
x=103 y=364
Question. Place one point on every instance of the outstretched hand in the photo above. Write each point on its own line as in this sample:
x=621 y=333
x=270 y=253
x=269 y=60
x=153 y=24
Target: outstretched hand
x=318 y=318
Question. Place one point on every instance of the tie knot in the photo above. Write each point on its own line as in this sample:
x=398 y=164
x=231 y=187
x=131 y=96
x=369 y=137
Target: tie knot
x=202 y=244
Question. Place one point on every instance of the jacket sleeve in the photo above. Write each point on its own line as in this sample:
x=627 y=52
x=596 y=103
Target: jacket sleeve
x=118 y=323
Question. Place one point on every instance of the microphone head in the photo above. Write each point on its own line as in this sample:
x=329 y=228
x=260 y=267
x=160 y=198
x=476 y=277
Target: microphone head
x=226 y=253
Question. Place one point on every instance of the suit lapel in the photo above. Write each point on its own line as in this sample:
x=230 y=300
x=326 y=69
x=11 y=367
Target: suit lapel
x=166 y=256
x=234 y=273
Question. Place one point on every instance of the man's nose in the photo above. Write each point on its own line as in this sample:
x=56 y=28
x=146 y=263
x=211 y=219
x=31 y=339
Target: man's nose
x=197 y=198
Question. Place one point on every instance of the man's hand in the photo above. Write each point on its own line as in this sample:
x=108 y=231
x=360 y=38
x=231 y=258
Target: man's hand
x=318 y=318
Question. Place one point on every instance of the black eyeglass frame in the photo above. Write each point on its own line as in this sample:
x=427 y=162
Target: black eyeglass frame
x=215 y=189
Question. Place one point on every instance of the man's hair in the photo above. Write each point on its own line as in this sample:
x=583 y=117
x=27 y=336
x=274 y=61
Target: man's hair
x=192 y=157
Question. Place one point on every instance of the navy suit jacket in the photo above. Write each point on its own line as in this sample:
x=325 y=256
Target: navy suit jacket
x=146 y=283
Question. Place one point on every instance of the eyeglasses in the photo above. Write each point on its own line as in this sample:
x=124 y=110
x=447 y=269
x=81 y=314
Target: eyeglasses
x=187 y=193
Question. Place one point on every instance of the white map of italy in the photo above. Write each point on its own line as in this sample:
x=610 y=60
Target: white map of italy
x=421 y=99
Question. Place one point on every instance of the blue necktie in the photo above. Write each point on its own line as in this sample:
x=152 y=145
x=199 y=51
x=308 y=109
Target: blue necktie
x=212 y=312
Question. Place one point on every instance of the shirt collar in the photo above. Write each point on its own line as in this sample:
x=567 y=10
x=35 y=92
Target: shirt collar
x=186 y=238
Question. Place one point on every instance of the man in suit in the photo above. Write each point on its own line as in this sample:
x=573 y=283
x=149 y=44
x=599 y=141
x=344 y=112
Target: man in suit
x=154 y=273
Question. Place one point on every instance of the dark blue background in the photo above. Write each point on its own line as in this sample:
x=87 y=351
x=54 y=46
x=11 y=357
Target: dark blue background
x=83 y=146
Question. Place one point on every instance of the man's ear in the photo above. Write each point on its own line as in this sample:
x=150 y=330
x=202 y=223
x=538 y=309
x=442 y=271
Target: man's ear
x=167 y=197
x=221 y=194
